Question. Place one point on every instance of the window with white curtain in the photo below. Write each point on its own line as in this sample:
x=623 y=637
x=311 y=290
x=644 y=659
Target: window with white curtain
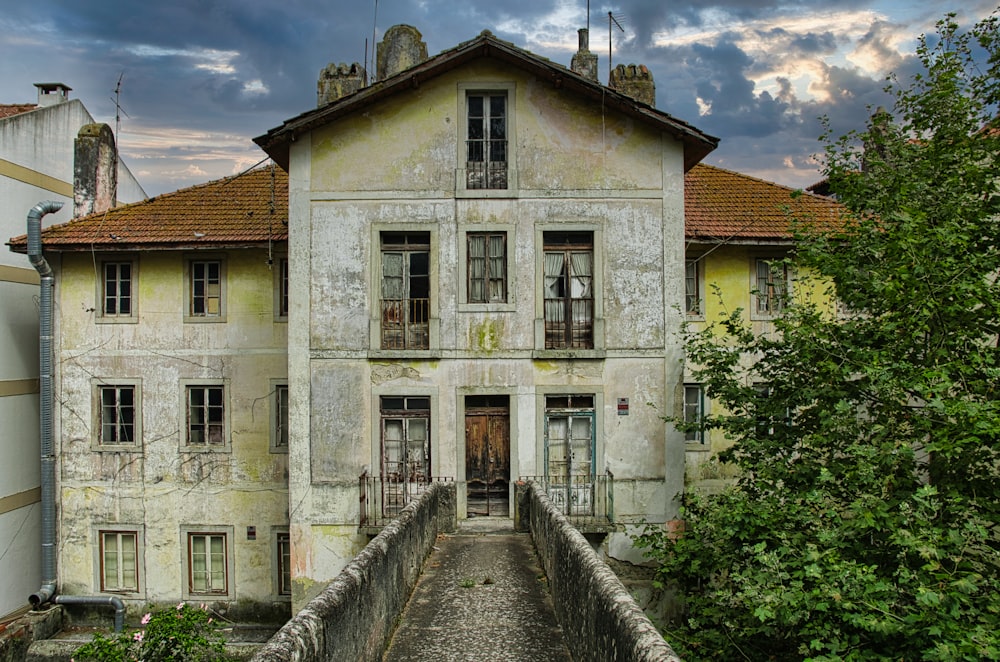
x=568 y=270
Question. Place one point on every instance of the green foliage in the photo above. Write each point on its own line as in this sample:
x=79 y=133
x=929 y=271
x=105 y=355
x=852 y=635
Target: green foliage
x=183 y=634
x=864 y=522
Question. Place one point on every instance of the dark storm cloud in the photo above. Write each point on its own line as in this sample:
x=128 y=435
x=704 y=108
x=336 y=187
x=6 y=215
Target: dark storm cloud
x=202 y=77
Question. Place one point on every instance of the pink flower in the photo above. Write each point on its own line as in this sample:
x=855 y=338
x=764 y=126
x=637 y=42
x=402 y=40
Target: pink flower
x=180 y=605
x=137 y=636
x=145 y=619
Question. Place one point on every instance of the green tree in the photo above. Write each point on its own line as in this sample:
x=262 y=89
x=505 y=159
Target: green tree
x=864 y=522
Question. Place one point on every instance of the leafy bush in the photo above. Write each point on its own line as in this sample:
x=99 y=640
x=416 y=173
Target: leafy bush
x=182 y=634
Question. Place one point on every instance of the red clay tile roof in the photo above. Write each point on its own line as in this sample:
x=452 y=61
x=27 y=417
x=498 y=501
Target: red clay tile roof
x=722 y=205
x=11 y=109
x=247 y=209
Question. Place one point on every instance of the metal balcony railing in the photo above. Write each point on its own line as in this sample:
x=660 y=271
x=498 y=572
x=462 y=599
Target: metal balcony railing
x=587 y=501
x=383 y=497
x=405 y=323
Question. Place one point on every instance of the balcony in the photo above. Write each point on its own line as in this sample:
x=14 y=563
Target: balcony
x=588 y=502
x=405 y=323
x=383 y=497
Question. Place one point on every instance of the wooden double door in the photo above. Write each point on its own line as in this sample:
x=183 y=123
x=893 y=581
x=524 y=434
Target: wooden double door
x=487 y=455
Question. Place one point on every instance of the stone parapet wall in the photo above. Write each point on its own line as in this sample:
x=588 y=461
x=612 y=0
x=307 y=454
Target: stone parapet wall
x=353 y=618
x=600 y=619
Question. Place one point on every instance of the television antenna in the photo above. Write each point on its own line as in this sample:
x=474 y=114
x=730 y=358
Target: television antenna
x=118 y=106
x=613 y=22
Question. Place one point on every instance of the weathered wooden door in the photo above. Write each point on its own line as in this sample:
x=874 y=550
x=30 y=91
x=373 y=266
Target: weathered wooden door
x=487 y=456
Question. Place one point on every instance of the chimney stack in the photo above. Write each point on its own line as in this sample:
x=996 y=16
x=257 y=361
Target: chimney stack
x=50 y=94
x=584 y=62
x=336 y=81
x=634 y=80
x=402 y=47
x=95 y=170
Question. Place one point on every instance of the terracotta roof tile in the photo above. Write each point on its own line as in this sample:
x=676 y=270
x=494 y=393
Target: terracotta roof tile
x=11 y=109
x=721 y=204
x=247 y=209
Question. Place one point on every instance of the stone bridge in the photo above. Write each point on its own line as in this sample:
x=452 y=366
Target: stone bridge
x=425 y=590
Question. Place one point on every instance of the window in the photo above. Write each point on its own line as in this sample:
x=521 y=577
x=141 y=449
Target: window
x=406 y=450
x=119 y=567
x=569 y=452
x=771 y=286
x=693 y=304
x=568 y=269
x=206 y=424
x=117 y=415
x=279 y=418
x=487 y=267
x=405 y=290
x=486 y=141
x=281 y=289
x=116 y=297
x=694 y=411
x=205 y=289
x=283 y=554
x=207 y=563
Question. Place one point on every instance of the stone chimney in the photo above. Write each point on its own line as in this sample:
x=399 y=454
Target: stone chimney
x=634 y=80
x=584 y=62
x=50 y=94
x=336 y=81
x=402 y=47
x=95 y=170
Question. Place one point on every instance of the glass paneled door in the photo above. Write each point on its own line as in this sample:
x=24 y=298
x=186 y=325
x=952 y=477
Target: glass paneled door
x=569 y=452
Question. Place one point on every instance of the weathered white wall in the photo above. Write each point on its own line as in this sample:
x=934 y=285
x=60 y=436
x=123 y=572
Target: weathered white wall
x=164 y=485
x=393 y=167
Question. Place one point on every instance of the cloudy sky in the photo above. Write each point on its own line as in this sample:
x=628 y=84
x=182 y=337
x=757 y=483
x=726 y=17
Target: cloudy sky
x=201 y=78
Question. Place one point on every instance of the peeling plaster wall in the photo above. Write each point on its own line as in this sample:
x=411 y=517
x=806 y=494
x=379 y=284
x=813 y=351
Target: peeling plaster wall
x=163 y=485
x=393 y=167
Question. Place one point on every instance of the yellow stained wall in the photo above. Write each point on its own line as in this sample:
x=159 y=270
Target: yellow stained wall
x=162 y=485
x=728 y=280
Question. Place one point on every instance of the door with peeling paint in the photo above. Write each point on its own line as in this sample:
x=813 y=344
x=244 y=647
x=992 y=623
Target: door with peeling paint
x=487 y=455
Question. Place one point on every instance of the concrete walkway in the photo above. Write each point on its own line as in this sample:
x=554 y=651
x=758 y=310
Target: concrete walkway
x=481 y=596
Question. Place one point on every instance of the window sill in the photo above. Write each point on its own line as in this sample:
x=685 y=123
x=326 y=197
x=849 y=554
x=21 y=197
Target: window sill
x=216 y=319
x=411 y=354
x=207 y=449
x=117 y=320
x=487 y=307
x=565 y=354
x=116 y=448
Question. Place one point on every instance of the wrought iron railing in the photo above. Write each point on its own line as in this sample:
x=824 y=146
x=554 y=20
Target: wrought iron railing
x=383 y=497
x=583 y=499
x=405 y=323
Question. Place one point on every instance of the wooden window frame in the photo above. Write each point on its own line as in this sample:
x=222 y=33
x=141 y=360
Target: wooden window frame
x=102 y=558
x=198 y=297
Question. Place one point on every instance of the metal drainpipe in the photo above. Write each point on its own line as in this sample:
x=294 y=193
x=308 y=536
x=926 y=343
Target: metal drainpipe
x=47 y=592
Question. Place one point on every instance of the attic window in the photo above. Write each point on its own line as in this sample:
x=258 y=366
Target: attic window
x=486 y=141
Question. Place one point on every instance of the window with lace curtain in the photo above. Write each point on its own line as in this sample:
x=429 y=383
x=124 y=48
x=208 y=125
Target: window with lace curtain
x=568 y=271
x=487 y=267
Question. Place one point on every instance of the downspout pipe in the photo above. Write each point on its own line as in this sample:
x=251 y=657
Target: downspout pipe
x=47 y=592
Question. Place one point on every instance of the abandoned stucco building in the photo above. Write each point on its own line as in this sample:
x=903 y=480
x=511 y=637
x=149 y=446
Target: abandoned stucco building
x=472 y=269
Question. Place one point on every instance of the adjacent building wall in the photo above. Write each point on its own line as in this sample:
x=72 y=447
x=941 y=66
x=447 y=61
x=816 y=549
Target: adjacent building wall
x=36 y=164
x=161 y=488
